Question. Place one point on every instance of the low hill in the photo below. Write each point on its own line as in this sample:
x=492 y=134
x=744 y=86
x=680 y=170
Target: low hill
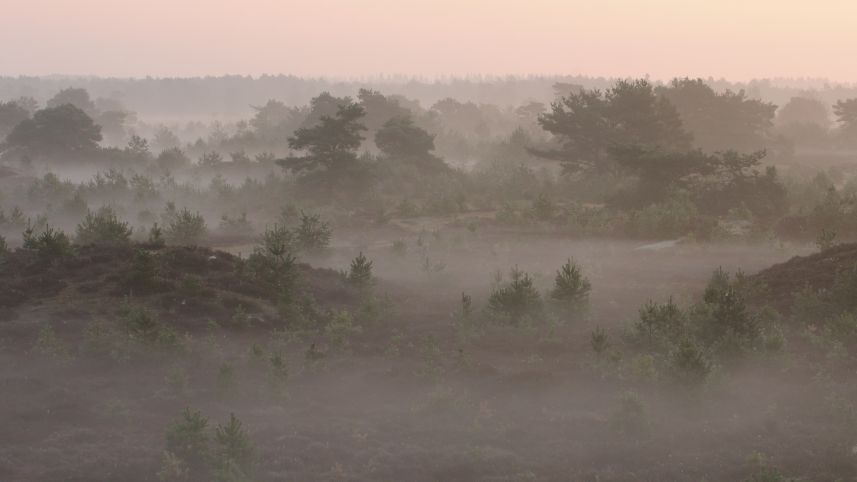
x=817 y=272
x=188 y=286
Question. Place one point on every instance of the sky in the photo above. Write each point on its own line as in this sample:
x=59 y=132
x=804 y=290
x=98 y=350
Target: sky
x=737 y=40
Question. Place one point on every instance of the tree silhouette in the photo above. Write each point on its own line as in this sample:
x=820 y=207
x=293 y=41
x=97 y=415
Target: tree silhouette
x=63 y=130
x=330 y=145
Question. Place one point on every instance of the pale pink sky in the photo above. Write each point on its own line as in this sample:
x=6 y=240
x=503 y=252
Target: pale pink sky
x=737 y=39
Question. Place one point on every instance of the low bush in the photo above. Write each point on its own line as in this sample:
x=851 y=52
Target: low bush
x=599 y=341
x=360 y=272
x=50 y=243
x=313 y=234
x=516 y=301
x=193 y=452
x=688 y=364
x=103 y=227
x=571 y=288
x=186 y=228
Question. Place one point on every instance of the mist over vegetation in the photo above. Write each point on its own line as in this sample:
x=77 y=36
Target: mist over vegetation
x=540 y=278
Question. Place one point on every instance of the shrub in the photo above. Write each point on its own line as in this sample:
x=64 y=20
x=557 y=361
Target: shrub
x=188 y=441
x=313 y=234
x=340 y=329
x=689 y=364
x=517 y=300
x=723 y=319
x=599 y=341
x=173 y=468
x=211 y=159
x=186 y=228
x=103 y=227
x=143 y=269
x=826 y=239
x=277 y=244
x=50 y=243
x=643 y=367
x=4 y=247
x=235 y=455
x=190 y=455
x=141 y=325
x=156 y=236
x=76 y=206
x=360 y=273
x=399 y=247
x=279 y=373
x=544 y=208
x=674 y=217
x=571 y=288
x=660 y=323
x=171 y=159
x=102 y=339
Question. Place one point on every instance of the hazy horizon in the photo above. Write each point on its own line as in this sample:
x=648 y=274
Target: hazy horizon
x=377 y=38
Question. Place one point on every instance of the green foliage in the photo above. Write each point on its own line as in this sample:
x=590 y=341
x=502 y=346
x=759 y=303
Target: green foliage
x=689 y=365
x=660 y=324
x=360 y=272
x=187 y=440
x=599 y=341
x=721 y=326
x=720 y=120
x=194 y=453
x=144 y=268
x=103 y=227
x=211 y=159
x=672 y=217
x=846 y=116
x=516 y=301
x=172 y=468
x=235 y=454
x=544 y=209
x=571 y=288
x=142 y=326
x=313 y=234
x=277 y=245
x=156 y=236
x=826 y=239
x=723 y=320
x=400 y=140
x=399 y=247
x=330 y=146
x=185 y=228
x=278 y=373
x=64 y=129
x=50 y=243
x=340 y=329
x=589 y=122
x=172 y=159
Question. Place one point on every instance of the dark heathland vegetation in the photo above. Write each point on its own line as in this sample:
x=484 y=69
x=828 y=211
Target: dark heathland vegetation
x=507 y=279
